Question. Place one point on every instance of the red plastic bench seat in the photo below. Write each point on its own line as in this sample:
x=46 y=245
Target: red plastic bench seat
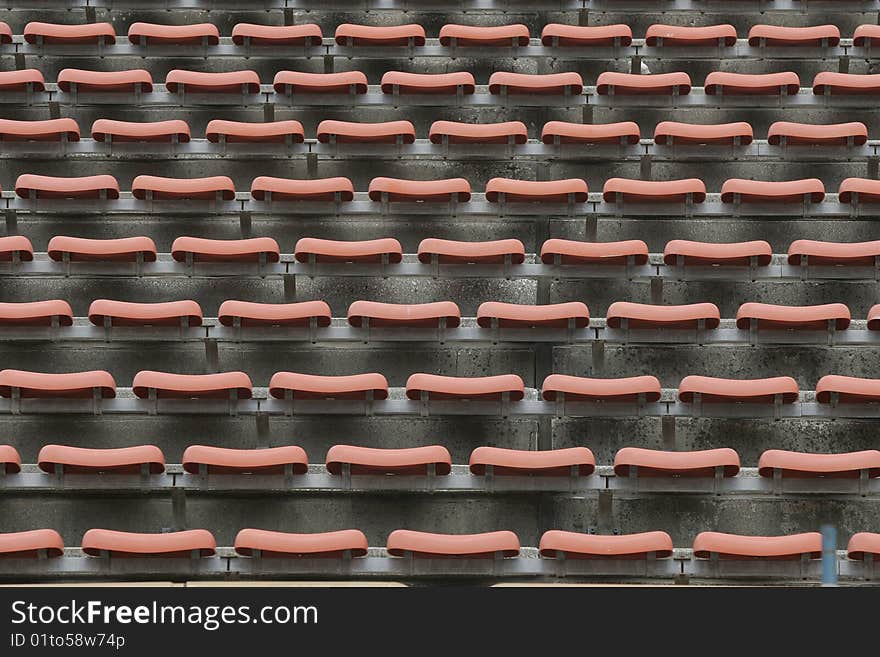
x=416 y=315
x=865 y=35
x=124 y=313
x=578 y=388
x=572 y=461
x=829 y=83
x=86 y=187
x=646 y=316
x=763 y=191
x=207 y=250
x=36 y=313
x=374 y=461
x=563 y=132
x=272 y=132
x=556 y=34
x=156 y=131
x=347 y=132
x=775 y=35
x=434 y=191
x=455 y=252
x=55 y=33
x=21 y=80
x=837 y=134
x=469 y=35
x=297 y=82
x=25 y=545
x=573 y=545
x=572 y=252
x=307 y=34
x=847 y=389
x=657 y=463
x=191 y=386
x=654 y=191
x=687 y=252
x=610 y=83
x=863 y=544
x=572 y=190
x=325 y=545
x=454 y=132
x=96 y=542
x=10 y=460
x=674 y=133
x=348 y=34
x=552 y=84
x=179 y=35
x=751 y=391
x=679 y=35
x=286 y=189
x=163 y=189
x=750 y=84
x=74 y=385
x=459 y=82
x=803 y=465
x=12 y=245
x=79 y=460
x=46 y=130
x=515 y=315
x=740 y=548
x=224 y=460
x=851 y=254
x=453 y=387
x=5 y=33
x=874 y=318
x=402 y=542
x=105 y=81
x=861 y=190
x=199 y=82
x=771 y=316
x=316 y=386
x=274 y=314
x=310 y=249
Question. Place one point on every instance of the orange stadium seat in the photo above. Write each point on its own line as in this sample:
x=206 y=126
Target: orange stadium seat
x=297 y=82
x=285 y=189
x=453 y=132
x=248 y=313
x=272 y=132
x=671 y=132
x=763 y=191
x=312 y=249
x=399 y=82
x=861 y=190
x=770 y=316
x=179 y=35
x=645 y=316
x=751 y=84
x=105 y=81
x=67 y=385
x=28 y=79
x=307 y=34
x=849 y=254
x=316 y=386
x=864 y=35
x=677 y=35
x=166 y=385
x=30 y=185
x=36 y=313
x=515 y=315
x=686 y=252
x=802 y=465
x=561 y=132
x=123 y=249
x=224 y=460
x=556 y=544
x=777 y=35
x=54 y=33
x=13 y=246
x=573 y=190
x=199 y=82
x=577 y=388
x=5 y=33
x=367 y=35
x=10 y=460
x=455 y=252
x=571 y=252
x=249 y=542
x=46 y=130
x=639 y=462
x=654 y=191
x=375 y=461
x=863 y=544
x=80 y=460
x=468 y=35
x=404 y=542
x=182 y=544
x=417 y=315
x=837 y=134
x=347 y=132
x=208 y=250
x=752 y=391
x=736 y=547
x=429 y=191
x=157 y=188
x=29 y=544
x=550 y=84
x=435 y=386
x=831 y=84
x=627 y=84
x=556 y=34
x=103 y=312
x=571 y=461
x=847 y=389
x=156 y=131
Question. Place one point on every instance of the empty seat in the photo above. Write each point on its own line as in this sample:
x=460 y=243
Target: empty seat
x=16 y=245
x=775 y=35
x=179 y=35
x=863 y=544
x=347 y=132
x=859 y=190
x=514 y=315
x=686 y=252
x=801 y=465
x=638 y=462
x=157 y=188
x=453 y=132
x=399 y=82
x=374 y=461
x=80 y=249
x=416 y=315
x=71 y=79
x=865 y=35
x=568 y=462
x=79 y=460
x=247 y=313
x=829 y=83
x=389 y=35
x=572 y=252
x=285 y=189
x=556 y=544
x=272 y=132
x=736 y=547
x=223 y=460
x=5 y=33
x=29 y=79
x=36 y=313
x=184 y=544
x=405 y=542
x=46 y=130
x=751 y=391
x=847 y=389
x=434 y=386
x=30 y=185
x=105 y=312
x=439 y=191
x=201 y=249
x=54 y=33
x=653 y=191
x=572 y=190
x=646 y=316
x=312 y=249
x=578 y=388
x=10 y=460
x=850 y=254
x=562 y=132
x=307 y=34
x=556 y=34
x=199 y=82
x=680 y=35
x=294 y=385
x=250 y=542
x=784 y=132
x=553 y=84
x=68 y=385
x=771 y=316
x=749 y=84
x=455 y=252
x=156 y=131
x=470 y=35
x=29 y=544
x=810 y=190
x=297 y=82
x=166 y=385
x=610 y=83
x=668 y=133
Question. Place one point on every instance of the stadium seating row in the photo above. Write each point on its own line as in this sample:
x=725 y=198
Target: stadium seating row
x=407 y=543
x=436 y=460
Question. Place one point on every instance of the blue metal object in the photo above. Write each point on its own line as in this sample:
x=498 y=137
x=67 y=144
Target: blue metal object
x=829 y=555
